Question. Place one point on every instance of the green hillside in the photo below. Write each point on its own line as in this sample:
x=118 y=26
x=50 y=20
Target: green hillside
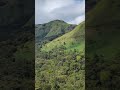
x=17 y=52
x=51 y=30
x=102 y=24
x=60 y=63
x=102 y=46
x=71 y=40
x=106 y=12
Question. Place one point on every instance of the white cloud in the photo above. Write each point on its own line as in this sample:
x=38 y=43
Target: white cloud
x=78 y=20
x=53 y=4
x=68 y=10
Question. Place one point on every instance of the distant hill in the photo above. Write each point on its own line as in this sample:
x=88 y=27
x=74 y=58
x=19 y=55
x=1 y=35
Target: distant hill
x=51 y=30
x=72 y=40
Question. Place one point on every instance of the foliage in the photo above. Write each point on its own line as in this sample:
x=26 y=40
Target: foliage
x=102 y=46
x=60 y=63
x=60 y=70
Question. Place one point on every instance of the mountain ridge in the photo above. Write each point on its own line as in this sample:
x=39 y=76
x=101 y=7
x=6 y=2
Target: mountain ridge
x=52 y=30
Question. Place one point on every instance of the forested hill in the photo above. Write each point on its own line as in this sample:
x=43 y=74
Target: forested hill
x=103 y=46
x=60 y=63
x=102 y=24
x=52 y=30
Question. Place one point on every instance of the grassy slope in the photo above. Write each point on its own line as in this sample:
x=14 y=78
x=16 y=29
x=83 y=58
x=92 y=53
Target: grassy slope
x=57 y=28
x=102 y=38
x=60 y=71
x=105 y=12
x=103 y=27
x=71 y=40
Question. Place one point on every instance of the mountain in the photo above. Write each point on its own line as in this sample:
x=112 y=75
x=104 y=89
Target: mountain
x=16 y=45
x=51 y=30
x=105 y=12
x=103 y=46
x=102 y=27
x=60 y=63
x=16 y=53
x=72 y=40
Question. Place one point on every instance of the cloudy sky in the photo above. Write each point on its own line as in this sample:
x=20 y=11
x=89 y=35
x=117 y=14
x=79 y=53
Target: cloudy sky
x=71 y=11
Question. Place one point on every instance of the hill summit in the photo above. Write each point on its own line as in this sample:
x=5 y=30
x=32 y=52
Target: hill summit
x=71 y=40
x=52 y=30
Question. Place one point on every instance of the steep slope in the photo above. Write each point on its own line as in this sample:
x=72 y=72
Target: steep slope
x=71 y=40
x=102 y=46
x=105 y=12
x=60 y=63
x=51 y=30
x=16 y=53
x=102 y=24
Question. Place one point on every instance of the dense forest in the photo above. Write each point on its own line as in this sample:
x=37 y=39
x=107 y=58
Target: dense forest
x=17 y=60
x=17 y=45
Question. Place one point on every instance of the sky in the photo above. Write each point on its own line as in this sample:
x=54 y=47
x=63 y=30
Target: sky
x=70 y=11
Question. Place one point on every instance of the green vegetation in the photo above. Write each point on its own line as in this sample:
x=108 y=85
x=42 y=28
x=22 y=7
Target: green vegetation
x=60 y=70
x=51 y=30
x=60 y=63
x=105 y=13
x=102 y=46
x=70 y=40
x=102 y=28
x=17 y=60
